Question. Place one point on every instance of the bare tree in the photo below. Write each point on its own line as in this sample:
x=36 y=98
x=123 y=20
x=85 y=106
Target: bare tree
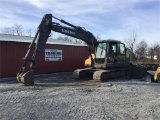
x=78 y=41
x=66 y=38
x=6 y=30
x=151 y=53
x=130 y=42
x=18 y=29
x=29 y=31
x=60 y=38
x=157 y=52
x=12 y=31
x=141 y=50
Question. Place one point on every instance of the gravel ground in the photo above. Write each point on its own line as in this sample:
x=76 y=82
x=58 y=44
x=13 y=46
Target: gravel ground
x=59 y=97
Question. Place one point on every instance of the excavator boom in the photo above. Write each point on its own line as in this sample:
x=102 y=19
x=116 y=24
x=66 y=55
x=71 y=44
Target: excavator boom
x=25 y=75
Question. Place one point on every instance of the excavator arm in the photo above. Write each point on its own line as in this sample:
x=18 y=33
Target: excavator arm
x=76 y=32
x=26 y=73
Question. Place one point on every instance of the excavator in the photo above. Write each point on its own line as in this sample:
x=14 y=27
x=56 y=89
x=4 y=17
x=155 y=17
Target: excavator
x=109 y=60
x=157 y=75
x=154 y=75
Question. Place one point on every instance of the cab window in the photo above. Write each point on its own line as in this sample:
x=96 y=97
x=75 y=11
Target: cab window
x=122 y=49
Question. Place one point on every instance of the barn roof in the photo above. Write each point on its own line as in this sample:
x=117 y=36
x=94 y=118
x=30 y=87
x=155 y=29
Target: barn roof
x=28 y=39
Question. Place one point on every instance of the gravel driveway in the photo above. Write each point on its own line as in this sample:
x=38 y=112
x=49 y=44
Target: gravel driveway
x=59 y=97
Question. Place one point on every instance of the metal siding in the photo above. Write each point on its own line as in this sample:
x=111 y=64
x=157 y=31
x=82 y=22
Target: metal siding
x=70 y=59
x=11 y=57
x=12 y=52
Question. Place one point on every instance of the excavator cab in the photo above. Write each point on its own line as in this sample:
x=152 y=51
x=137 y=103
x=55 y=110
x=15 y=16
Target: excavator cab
x=110 y=52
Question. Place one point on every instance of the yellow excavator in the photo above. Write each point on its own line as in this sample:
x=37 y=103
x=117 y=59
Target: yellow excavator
x=155 y=75
x=107 y=58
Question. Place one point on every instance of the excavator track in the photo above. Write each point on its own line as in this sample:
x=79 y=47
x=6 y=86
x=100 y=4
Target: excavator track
x=137 y=72
x=129 y=72
x=86 y=73
x=104 y=75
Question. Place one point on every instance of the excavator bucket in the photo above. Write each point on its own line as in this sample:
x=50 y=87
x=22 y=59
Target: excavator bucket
x=26 y=77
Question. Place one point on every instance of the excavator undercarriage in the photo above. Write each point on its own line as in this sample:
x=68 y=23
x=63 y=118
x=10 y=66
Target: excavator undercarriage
x=129 y=72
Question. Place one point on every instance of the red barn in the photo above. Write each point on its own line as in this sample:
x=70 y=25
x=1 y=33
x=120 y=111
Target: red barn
x=13 y=49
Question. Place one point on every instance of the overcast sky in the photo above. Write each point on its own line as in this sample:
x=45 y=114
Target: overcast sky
x=115 y=19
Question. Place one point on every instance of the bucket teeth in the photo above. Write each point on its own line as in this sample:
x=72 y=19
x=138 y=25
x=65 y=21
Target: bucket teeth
x=26 y=78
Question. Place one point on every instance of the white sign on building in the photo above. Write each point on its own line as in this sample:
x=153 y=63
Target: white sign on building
x=53 y=55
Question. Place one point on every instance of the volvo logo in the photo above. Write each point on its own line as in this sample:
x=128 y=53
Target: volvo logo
x=68 y=32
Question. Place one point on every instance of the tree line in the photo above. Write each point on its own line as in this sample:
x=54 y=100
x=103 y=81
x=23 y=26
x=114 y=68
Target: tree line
x=141 y=51
x=17 y=29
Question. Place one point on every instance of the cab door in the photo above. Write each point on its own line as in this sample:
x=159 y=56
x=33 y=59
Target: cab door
x=121 y=53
